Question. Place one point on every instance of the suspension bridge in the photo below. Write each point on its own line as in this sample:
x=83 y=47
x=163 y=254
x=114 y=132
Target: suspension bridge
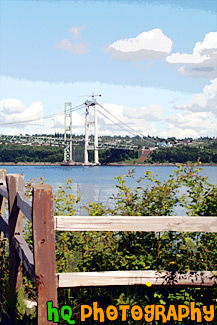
x=66 y=140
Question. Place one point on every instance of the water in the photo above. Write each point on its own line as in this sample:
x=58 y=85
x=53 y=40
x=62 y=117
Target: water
x=97 y=183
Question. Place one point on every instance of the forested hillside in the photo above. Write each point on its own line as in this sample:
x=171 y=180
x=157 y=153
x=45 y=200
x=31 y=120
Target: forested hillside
x=19 y=153
x=174 y=154
x=183 y=154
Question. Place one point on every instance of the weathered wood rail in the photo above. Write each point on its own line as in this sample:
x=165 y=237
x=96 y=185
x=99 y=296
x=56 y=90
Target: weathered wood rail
x=41 y=262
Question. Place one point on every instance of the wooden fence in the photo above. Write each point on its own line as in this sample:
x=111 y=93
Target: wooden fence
x=41 y=263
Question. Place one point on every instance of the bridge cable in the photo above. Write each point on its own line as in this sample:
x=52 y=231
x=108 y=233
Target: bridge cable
x=117 y=124
x=45 y=117
x=135 y=132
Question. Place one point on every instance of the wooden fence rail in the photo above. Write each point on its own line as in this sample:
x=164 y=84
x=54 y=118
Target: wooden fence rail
x=41 y=262
x=146 y=224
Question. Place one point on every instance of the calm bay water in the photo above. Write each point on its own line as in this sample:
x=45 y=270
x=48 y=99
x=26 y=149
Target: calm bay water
x=97 y=183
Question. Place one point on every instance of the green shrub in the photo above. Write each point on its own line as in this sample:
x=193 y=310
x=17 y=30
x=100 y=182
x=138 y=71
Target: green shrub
x=100 y=251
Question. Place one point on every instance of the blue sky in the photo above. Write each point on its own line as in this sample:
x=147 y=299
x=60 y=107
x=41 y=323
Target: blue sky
x=154 y=62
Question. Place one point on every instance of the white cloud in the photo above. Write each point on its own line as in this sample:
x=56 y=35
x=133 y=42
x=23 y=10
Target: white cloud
x=193 y=120
x=150 y=113
x=73 y=49
x=197 y=117
x=13 y=111
x=11 y=106
x=202 y=62
x=145 y=46
x=77 y=122
x=203 y=102
x=192 y=124
x=30 y=119
x=179 y=133
x=76 y=31
x=142 y=119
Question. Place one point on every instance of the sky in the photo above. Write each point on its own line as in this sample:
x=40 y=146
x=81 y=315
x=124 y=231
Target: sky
x=153 y=62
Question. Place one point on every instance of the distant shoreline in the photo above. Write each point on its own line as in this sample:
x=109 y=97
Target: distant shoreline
x=109 y=164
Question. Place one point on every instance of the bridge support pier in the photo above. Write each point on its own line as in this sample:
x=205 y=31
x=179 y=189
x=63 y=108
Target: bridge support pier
x=68 y=131
x=86 y=162
x=86 y=145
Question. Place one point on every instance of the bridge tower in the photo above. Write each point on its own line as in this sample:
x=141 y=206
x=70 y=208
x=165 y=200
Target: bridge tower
x=86 y=143
x=87 y=147
x=68 y=133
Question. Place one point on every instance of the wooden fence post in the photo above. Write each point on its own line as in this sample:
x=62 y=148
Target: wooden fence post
x=15 y=183
x=2 y=199
x=44 y=249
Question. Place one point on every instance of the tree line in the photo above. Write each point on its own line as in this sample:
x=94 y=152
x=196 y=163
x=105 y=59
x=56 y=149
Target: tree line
x=19 y=153
x=177 y=154
x=183 y=154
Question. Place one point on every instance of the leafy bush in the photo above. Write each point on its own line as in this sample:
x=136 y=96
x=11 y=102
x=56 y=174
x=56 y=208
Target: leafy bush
x=100 y=251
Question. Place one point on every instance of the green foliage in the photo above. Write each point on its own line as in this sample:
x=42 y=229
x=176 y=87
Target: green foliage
x=4 y=286
x=64 y=201
x=201 y=197
x=14 y=305
x=66 y=252
x=19 y=153
x=22 y=312
x=100 y=251
x=155 y=251
x=118 y=155
x=184 y=153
